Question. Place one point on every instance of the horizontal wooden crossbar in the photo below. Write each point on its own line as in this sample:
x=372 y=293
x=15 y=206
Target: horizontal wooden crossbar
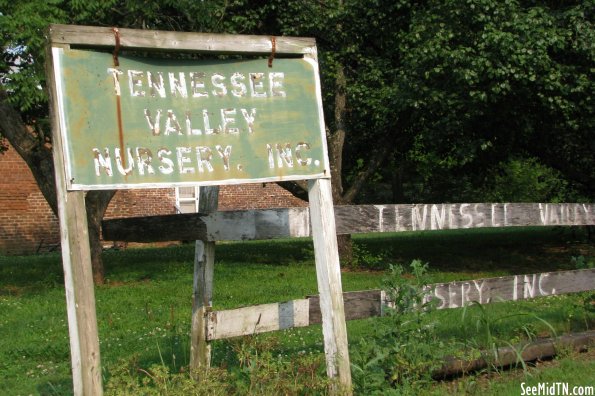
x=352 y=219
x=371 y=303
x=94 y=36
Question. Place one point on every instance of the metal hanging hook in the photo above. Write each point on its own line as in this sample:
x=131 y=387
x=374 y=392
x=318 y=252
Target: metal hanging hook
x=273 y=50
x=117 y=48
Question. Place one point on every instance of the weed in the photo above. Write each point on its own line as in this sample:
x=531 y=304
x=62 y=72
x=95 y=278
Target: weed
x=486 y=337
x=364 y=258
x=128 y=378
x=400 y=355
x=580 y=262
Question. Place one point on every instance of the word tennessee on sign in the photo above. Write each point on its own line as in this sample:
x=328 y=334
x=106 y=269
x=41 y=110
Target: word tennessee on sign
x=152 y=122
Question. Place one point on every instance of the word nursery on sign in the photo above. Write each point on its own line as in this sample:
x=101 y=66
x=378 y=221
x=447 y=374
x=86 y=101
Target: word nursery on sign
x=150 y=122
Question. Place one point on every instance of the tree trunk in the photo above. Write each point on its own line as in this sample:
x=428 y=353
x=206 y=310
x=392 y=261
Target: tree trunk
x=37 y=153
x=336 y=142
x=97 y=203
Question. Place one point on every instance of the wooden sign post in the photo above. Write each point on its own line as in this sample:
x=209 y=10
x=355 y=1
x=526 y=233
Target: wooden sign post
x=123 y=122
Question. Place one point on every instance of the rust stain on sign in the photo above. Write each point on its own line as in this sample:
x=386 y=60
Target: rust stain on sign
x=189 y=122
x=118 y=100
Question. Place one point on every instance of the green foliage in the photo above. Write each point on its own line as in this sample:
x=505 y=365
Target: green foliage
x=582 y=262
x=256 y=372
x=363 y=258
x=144 y=312
x=128 y=378
x=527 y=180
x=482 y=332
x=455 y=89
x=400 y=354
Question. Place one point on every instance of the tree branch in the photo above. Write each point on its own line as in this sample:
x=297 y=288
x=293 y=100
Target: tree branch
x=298 y=188
x=32 y=149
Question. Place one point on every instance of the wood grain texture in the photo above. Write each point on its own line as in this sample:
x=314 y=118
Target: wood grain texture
x=328 y=276
x=371 y=303
x=257 y=319
x=353 y=219
x=76 y=261
x=511 y=288
x=358 y=305
x=93 y=36
x=202 y=286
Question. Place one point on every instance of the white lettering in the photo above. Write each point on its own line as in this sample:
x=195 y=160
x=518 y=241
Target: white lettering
x=208 y=129
x=257 y=85
x=172 y=125
x=177 y=86
x=197 y=85
x=189 y=129
x=239 y=88
x=494 y=223
x=116 y=73
x=102 y=161
x=466 y=215
x=529 y=286
x=167 y=166
x=541 y=290
x=228 y=118
x=120 y=164
x=437 y=218
x=418 y=221
x=298 y=154
x=479 y=289
x=217 y=81
x=380 y=216
x=276 y=84
x=204 y=156
x=156 y=84
x=135 y=82
x=183 y=160
x=224 y=154
x=144 y=158
x=249 y=117
x=153 y=124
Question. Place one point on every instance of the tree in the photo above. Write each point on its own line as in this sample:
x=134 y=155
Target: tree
x=23 y=96
x=432 y=97
x=491 y=81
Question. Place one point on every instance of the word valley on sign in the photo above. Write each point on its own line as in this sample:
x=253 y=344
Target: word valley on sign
x=231 y=121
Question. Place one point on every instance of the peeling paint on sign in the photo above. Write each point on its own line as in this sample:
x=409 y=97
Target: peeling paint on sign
x=162 y=122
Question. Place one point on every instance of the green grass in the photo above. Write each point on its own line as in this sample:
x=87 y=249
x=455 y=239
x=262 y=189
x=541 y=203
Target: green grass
x=144 y=309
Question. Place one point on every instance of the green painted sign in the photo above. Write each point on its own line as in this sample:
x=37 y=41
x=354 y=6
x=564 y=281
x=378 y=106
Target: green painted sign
x=153 y=122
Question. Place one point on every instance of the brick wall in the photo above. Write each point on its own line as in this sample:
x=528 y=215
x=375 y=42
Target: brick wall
x=27 y=224
x=145 y=202
x=256 y=196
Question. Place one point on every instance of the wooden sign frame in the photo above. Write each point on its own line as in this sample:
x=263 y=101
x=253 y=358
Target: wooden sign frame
x=76 y=257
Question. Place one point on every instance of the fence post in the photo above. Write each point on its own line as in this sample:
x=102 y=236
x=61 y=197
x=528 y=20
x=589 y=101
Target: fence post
x=76 y=261
x=202 y=295
x=328 y=275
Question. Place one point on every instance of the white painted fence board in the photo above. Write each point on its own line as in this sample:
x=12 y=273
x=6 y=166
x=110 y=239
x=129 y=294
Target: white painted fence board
x=511 y=288
x=372 y=303
x=257 y=319
x=294 y=222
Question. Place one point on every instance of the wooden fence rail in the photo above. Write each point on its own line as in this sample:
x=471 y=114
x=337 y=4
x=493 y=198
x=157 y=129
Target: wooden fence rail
x=295 y=222
x=351 y=219
x=370 y=303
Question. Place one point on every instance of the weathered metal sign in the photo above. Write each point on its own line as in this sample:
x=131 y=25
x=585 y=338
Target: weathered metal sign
x=163 y=122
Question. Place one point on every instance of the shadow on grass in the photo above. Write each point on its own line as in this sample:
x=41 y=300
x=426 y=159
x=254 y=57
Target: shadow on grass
x=506 y=251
